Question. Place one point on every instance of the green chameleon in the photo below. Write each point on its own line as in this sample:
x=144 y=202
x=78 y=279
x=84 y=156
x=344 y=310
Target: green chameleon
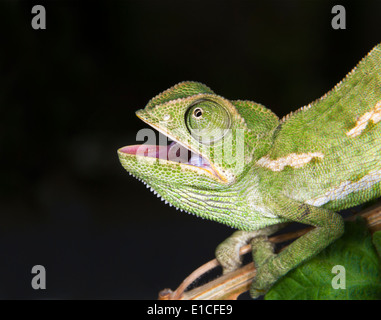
x=237 y=163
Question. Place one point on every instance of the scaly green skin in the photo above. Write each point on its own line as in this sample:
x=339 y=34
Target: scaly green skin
x=323 y=158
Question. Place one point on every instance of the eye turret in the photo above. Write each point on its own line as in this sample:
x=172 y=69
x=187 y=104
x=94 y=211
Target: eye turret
x=207 y=121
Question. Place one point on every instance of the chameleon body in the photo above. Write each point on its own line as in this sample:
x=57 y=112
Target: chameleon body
x=242 y=166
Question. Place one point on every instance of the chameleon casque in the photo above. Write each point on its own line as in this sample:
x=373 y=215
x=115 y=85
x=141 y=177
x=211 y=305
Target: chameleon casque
x=237 y=163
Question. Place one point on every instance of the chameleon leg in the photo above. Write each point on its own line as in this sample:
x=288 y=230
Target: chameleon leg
x=227 y=253
x=270 y=267
x=262 y=249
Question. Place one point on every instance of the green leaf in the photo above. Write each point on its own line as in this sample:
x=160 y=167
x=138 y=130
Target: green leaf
x=355 y=252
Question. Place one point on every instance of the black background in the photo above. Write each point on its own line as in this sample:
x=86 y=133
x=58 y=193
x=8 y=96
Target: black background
x=67 y=100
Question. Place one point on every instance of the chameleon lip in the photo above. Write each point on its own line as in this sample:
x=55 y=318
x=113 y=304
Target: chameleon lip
x=192 y=158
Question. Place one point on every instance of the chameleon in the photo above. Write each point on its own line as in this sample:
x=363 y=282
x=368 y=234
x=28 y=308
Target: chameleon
x=237 y=163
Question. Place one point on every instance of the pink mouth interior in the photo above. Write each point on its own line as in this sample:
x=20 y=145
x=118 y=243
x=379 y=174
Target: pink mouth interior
x=173 y=152
x=159 y=152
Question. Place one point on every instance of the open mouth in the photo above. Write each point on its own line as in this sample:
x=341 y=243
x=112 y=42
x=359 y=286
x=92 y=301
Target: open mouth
x=173 y=152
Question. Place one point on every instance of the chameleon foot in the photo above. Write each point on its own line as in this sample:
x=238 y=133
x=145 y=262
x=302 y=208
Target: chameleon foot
x=227 y=253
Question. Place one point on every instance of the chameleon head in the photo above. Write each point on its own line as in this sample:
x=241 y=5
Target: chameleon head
x=212 y=145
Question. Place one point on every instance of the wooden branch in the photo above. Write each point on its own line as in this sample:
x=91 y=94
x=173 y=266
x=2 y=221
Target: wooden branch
x=231 y=285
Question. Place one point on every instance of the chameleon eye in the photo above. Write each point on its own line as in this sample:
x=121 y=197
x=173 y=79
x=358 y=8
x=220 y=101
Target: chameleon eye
x=207 y=121
x=197 y=113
